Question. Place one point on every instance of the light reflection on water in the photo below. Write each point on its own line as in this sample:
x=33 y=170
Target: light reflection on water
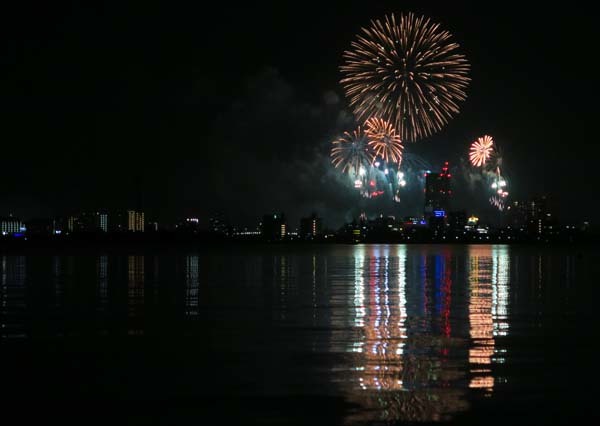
x=409 y=333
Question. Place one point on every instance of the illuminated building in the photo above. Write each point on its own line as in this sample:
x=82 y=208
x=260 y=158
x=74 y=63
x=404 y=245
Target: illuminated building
x=533 y=217
x=310 y=227
x=274 y=227
x=539 y=218
x=437 y=195
x=189 y=225
x=102 y=219
x=135 y=221
x=88 y=222
x=11 y=226
x=472 y=221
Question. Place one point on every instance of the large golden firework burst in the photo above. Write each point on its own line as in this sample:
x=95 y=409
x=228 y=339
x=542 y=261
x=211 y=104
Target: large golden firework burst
x=407 y=71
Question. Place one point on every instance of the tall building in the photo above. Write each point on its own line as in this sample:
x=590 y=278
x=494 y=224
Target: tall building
x=539 y=217
x=72 y=224
x=135 y=221
x=310 y=226
x=533 y=216
x=516 y=215
x=274 y=227
x=437 y=193
x=102 y=221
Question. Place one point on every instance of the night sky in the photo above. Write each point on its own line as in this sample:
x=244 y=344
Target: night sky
x=190 y=110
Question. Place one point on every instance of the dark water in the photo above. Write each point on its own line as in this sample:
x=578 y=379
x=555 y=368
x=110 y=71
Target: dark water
x=368 y=334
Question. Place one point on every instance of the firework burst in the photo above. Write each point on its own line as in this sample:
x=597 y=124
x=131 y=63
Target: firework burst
x=384 y=141
x=407 y=71
x=481 y=151
x=350 y=151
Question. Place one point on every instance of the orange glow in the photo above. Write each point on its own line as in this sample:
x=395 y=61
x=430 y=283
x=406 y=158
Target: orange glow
x=481 y=151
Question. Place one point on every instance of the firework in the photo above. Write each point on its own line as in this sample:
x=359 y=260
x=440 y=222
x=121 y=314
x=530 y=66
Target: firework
x=481 y=151
x=407 y=71
x=350 y=152
x=498 y=187
x=497 y=201
x=384 y=141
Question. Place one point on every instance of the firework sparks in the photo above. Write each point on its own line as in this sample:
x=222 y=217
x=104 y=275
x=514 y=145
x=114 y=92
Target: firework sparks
x=384 y=141
x=407 y=71
x=498 y=188
x=350 y=152
x=481 y=151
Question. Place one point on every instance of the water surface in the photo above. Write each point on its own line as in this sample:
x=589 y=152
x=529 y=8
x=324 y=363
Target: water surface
x=365 y=334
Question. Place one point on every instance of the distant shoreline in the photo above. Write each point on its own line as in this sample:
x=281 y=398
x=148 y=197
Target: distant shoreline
x=142 y=242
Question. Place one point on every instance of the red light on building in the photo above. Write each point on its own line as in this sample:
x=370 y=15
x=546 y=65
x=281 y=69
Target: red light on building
x=372 y=183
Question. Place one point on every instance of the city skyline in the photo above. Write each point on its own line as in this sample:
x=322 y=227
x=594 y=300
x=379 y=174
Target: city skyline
x=434 y=182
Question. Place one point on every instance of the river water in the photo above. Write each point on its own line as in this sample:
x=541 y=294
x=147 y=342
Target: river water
x=339 y=334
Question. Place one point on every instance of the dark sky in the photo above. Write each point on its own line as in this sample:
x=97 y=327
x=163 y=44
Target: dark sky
x=194 y=109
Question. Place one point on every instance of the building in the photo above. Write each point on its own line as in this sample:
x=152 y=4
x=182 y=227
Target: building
x=310 y=227
x=82 y=222
x=457 y=220
x=72 y=224
x=11 y=226
x=472 y=223
x=135 y=221
x=102 y=221
x=40 y=226
x=539 y=218
x=218 y=224
x=190 y=225
x=88 y=222
x=437 y=193
x=516 y=214
x=273 y=227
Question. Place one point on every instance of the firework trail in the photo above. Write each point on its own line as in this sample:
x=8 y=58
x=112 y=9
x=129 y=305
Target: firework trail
x=407 y=71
